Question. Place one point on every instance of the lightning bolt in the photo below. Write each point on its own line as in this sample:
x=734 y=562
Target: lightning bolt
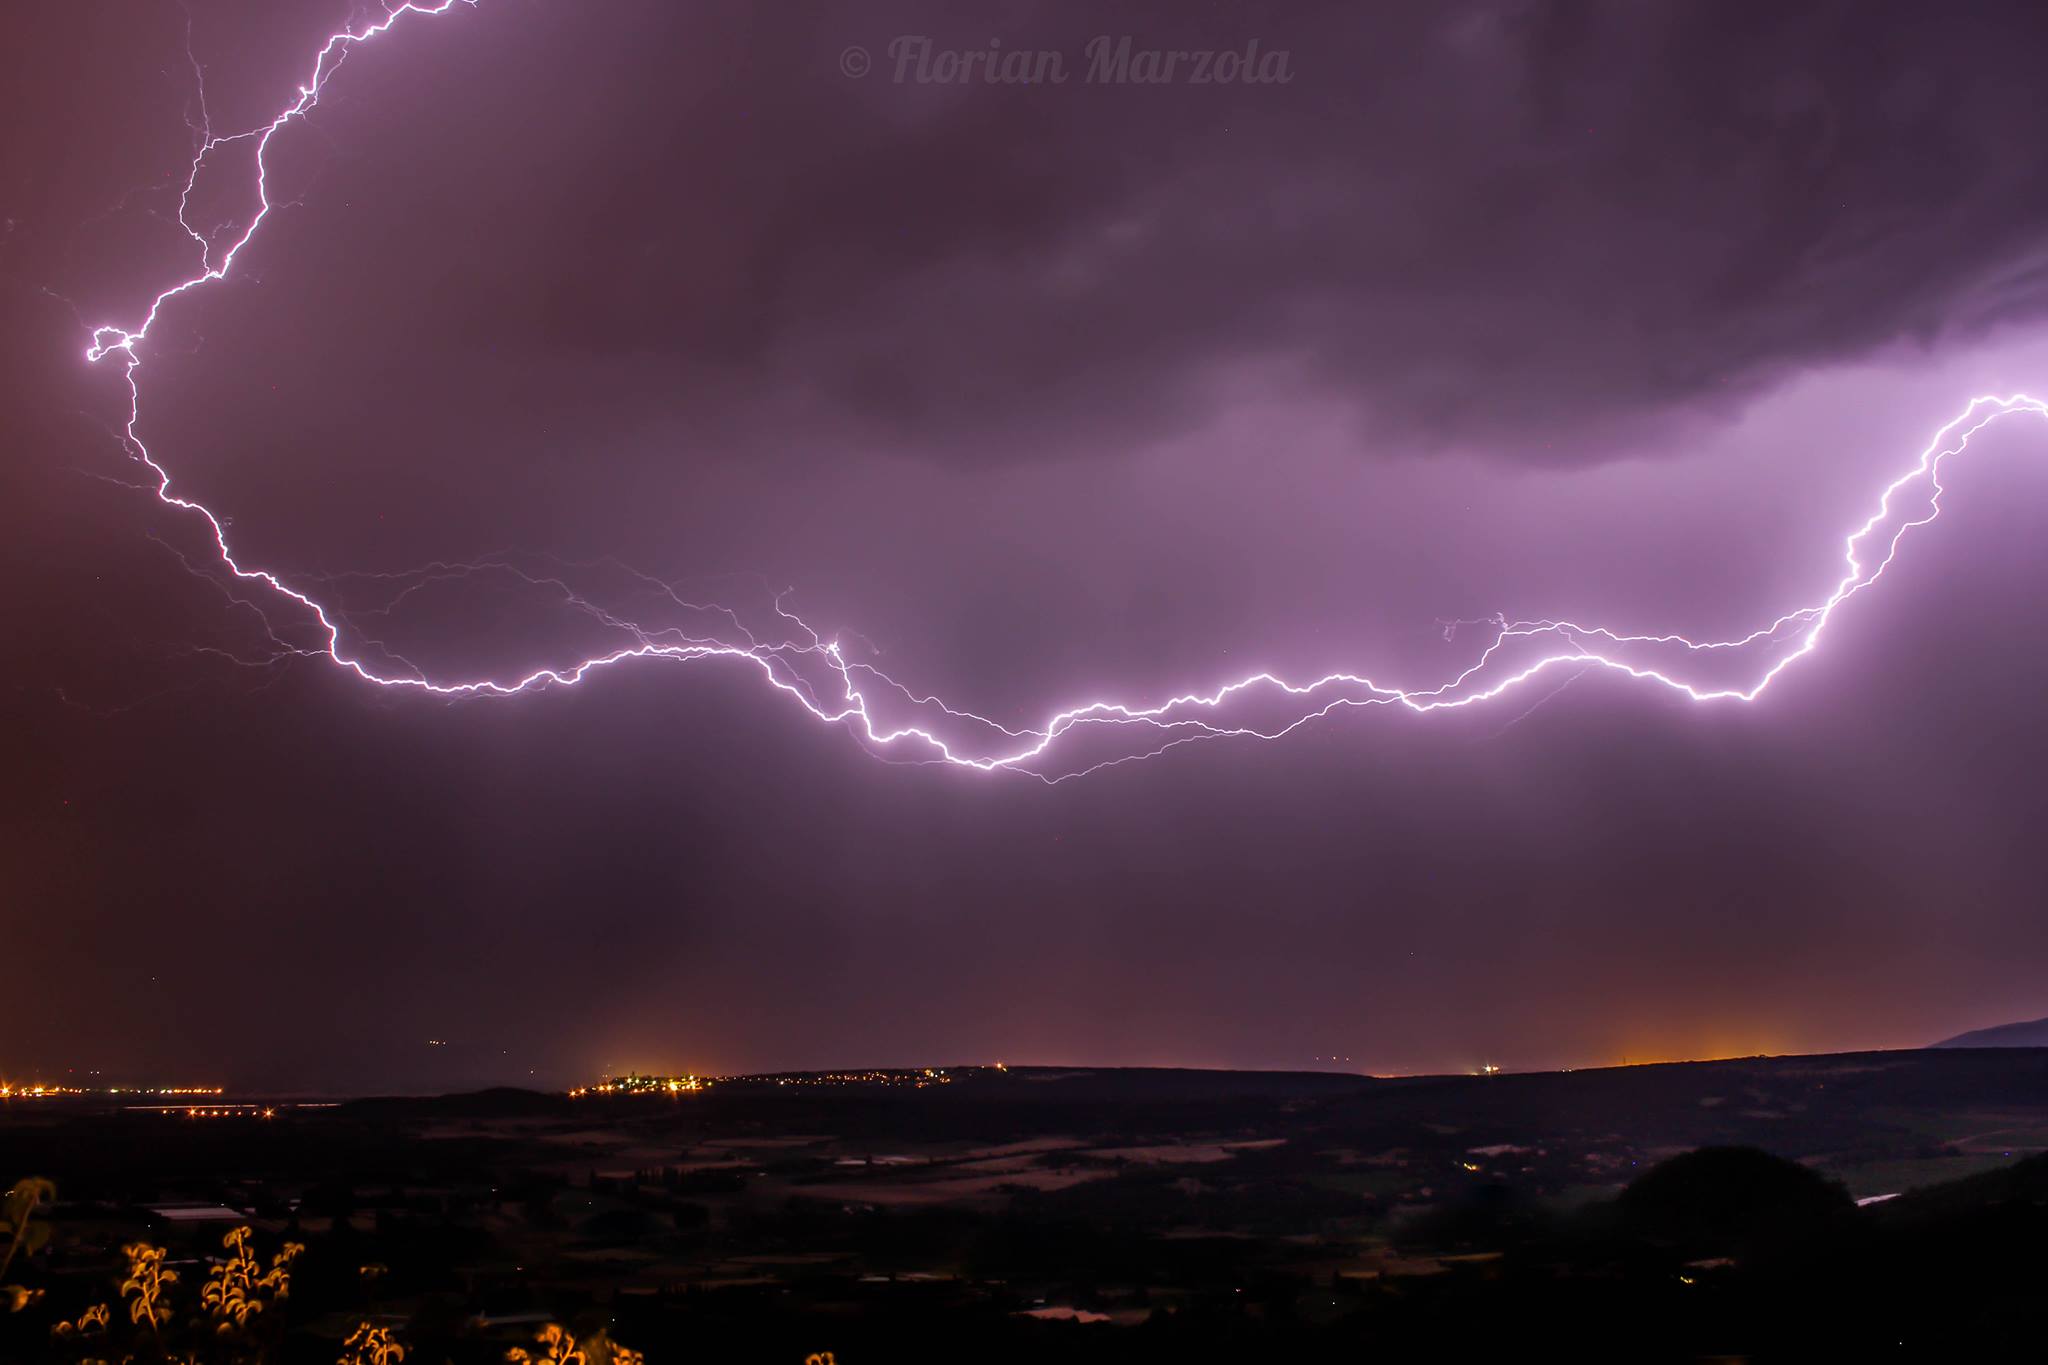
x=834 y=689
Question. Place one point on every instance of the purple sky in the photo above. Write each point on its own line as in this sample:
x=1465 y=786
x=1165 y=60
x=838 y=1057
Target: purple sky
x=1042 y=394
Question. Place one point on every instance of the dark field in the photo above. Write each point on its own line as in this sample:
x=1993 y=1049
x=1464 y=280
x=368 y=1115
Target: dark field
x=1090 y=1215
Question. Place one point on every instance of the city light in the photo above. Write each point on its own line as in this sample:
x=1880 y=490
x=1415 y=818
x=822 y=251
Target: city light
x=910 y=1077
x=11 y=1091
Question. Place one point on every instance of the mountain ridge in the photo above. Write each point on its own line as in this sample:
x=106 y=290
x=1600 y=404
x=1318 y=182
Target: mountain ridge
x=2029 y=1033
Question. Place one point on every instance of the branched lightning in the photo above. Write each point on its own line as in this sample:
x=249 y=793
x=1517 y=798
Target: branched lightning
x=889 y=718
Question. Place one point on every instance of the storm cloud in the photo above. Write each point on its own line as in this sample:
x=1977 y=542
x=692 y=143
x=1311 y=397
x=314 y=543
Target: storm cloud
x=1519 y=228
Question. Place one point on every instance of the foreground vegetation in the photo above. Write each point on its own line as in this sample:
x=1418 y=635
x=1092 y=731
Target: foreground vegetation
x=238 y=1316
x=1722 y=1247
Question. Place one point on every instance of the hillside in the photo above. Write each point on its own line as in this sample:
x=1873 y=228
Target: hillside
x=2033 y=1033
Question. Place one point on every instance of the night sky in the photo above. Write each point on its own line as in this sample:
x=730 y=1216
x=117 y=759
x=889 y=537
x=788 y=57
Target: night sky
x=1029 y=395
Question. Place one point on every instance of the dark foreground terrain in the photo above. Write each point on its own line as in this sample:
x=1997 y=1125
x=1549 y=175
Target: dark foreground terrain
x=1683 y=1212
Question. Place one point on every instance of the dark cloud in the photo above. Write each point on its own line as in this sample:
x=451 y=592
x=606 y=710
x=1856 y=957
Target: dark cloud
x=1476 y=224
x=1516 y=227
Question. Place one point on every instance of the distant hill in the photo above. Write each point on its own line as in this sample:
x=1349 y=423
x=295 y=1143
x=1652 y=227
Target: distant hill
x=499 y=1103
x=2033 y=1033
